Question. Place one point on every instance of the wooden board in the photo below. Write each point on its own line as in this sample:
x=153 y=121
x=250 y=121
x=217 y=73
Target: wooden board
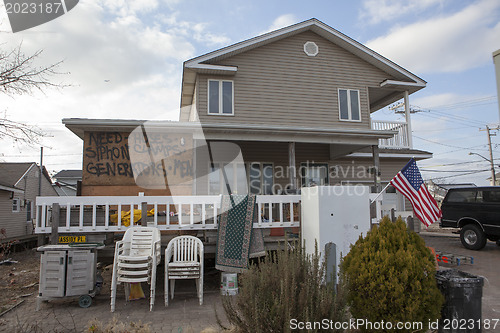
x=127 y=159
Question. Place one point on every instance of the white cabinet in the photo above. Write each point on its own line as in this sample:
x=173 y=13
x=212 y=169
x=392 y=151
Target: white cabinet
x=67 y=271
x=336 y=214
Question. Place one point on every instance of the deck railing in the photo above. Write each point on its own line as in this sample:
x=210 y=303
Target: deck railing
x=400 y=140
x=88 y=214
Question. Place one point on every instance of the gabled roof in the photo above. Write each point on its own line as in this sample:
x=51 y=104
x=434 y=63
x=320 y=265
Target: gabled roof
x=12 y=173
x=203 y=64
x=68 y=174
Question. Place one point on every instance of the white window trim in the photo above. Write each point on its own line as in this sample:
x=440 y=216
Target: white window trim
x=349 y=112
x=18 y=206
x=220 y=98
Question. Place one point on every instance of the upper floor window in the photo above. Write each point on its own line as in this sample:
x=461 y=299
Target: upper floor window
x=349 y=105
x=220 y=97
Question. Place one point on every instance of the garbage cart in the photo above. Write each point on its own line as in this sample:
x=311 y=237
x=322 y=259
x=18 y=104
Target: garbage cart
x=69 y=271
x=463 y=294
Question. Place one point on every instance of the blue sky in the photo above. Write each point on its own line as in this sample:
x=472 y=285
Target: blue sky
x=125 y=60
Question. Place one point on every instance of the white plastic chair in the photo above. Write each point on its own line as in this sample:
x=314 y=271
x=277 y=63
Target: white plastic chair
x=135 y=261
x=184 y=260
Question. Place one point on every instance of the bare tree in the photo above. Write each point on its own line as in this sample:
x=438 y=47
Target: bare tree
x=19 y=75
x=19 y=132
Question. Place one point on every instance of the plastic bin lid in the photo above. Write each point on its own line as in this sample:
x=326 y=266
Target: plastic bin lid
x=456 y=277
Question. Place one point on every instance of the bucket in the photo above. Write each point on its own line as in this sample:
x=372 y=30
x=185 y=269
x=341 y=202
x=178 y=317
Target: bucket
x=229 y=284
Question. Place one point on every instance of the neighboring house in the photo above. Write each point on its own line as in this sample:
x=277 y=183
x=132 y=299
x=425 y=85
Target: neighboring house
x=438 y=191
x=66 y=182
x=19 y=187
x=296 y=101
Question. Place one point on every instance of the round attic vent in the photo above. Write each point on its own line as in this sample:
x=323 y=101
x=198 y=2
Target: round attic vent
x=311 y=49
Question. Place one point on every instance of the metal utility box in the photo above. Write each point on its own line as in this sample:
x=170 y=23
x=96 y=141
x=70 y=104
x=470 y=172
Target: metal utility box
x=334 y=214
x=68 y=271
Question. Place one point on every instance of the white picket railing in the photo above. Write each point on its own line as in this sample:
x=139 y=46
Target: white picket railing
x=399 y=140
x=93 y=214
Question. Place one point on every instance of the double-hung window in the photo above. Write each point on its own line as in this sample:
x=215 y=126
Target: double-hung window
x=220 y=97
x=16 y=205
x=349 y=108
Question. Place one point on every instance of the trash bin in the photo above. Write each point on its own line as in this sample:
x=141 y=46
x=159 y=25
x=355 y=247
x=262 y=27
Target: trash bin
x=463 y=293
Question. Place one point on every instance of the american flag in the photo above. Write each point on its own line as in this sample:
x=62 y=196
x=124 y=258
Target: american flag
x=409 y=182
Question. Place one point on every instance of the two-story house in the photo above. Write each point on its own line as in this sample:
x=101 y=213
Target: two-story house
x=20 y=184
x=295 y=104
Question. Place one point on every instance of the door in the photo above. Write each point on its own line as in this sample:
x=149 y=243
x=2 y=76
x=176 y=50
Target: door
x=80 y=273
x=52 y=273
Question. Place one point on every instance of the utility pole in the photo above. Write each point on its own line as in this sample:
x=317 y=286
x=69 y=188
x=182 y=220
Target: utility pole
x=493 y=176
x=41 y=171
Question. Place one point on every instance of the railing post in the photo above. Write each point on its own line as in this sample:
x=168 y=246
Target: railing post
x=144 y=214
x=54 y=235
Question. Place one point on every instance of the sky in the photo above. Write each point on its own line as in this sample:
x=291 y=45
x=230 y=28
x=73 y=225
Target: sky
x=123 y=60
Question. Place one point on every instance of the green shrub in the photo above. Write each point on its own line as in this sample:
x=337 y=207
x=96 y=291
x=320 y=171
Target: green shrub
x=286 y=285
x=390 y=276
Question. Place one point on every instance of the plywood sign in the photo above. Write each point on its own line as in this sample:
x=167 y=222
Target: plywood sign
x=155 y=160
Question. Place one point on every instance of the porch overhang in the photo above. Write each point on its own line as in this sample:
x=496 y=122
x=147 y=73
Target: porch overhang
x=237 y=132
x=270 y=133
x=11 y=189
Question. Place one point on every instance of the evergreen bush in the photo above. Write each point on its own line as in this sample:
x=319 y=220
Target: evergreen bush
x=390 y=276
x=286 y=288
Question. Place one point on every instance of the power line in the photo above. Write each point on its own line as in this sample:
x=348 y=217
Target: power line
x=463 y=174
x=452 y=164
x=446 y=145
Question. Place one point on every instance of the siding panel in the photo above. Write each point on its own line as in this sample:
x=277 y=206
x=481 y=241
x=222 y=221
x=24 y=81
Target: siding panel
x=278 y=83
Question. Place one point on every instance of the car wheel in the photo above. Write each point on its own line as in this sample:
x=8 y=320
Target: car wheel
x=472 y=237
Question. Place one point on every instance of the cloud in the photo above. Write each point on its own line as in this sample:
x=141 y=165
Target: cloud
x=281 y=22
x=454 y=43
x=125 y=62
x=376 y=11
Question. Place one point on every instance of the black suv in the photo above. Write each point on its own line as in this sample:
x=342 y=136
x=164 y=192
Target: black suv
x=476 y=210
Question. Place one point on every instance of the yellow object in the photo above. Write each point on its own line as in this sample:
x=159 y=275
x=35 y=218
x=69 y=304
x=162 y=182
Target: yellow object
x=126 y=216
x=72 y=239
x=136 y=292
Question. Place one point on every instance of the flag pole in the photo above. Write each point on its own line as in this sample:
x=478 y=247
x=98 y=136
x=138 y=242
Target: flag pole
x=378 y=195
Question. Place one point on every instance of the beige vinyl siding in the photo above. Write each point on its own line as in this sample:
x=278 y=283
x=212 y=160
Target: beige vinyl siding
x=353 y=168
x=278 y=83
x=267 y=152
x=15 y=224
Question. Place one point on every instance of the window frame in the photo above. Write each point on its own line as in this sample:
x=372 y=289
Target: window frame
x=219 y=165
x=221 y=98
x=16 y=208
x=305 y=165
x=261 y=178
x=349 y=110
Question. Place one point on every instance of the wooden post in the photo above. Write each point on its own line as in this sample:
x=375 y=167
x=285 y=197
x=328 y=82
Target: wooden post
x=292 y=166
x=144 y=214
x=376 y=171
x=409 y=223
x=54 y=235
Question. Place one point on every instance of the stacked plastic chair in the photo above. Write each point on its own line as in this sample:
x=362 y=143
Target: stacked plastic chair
x=135 y=260
x=184 y=260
